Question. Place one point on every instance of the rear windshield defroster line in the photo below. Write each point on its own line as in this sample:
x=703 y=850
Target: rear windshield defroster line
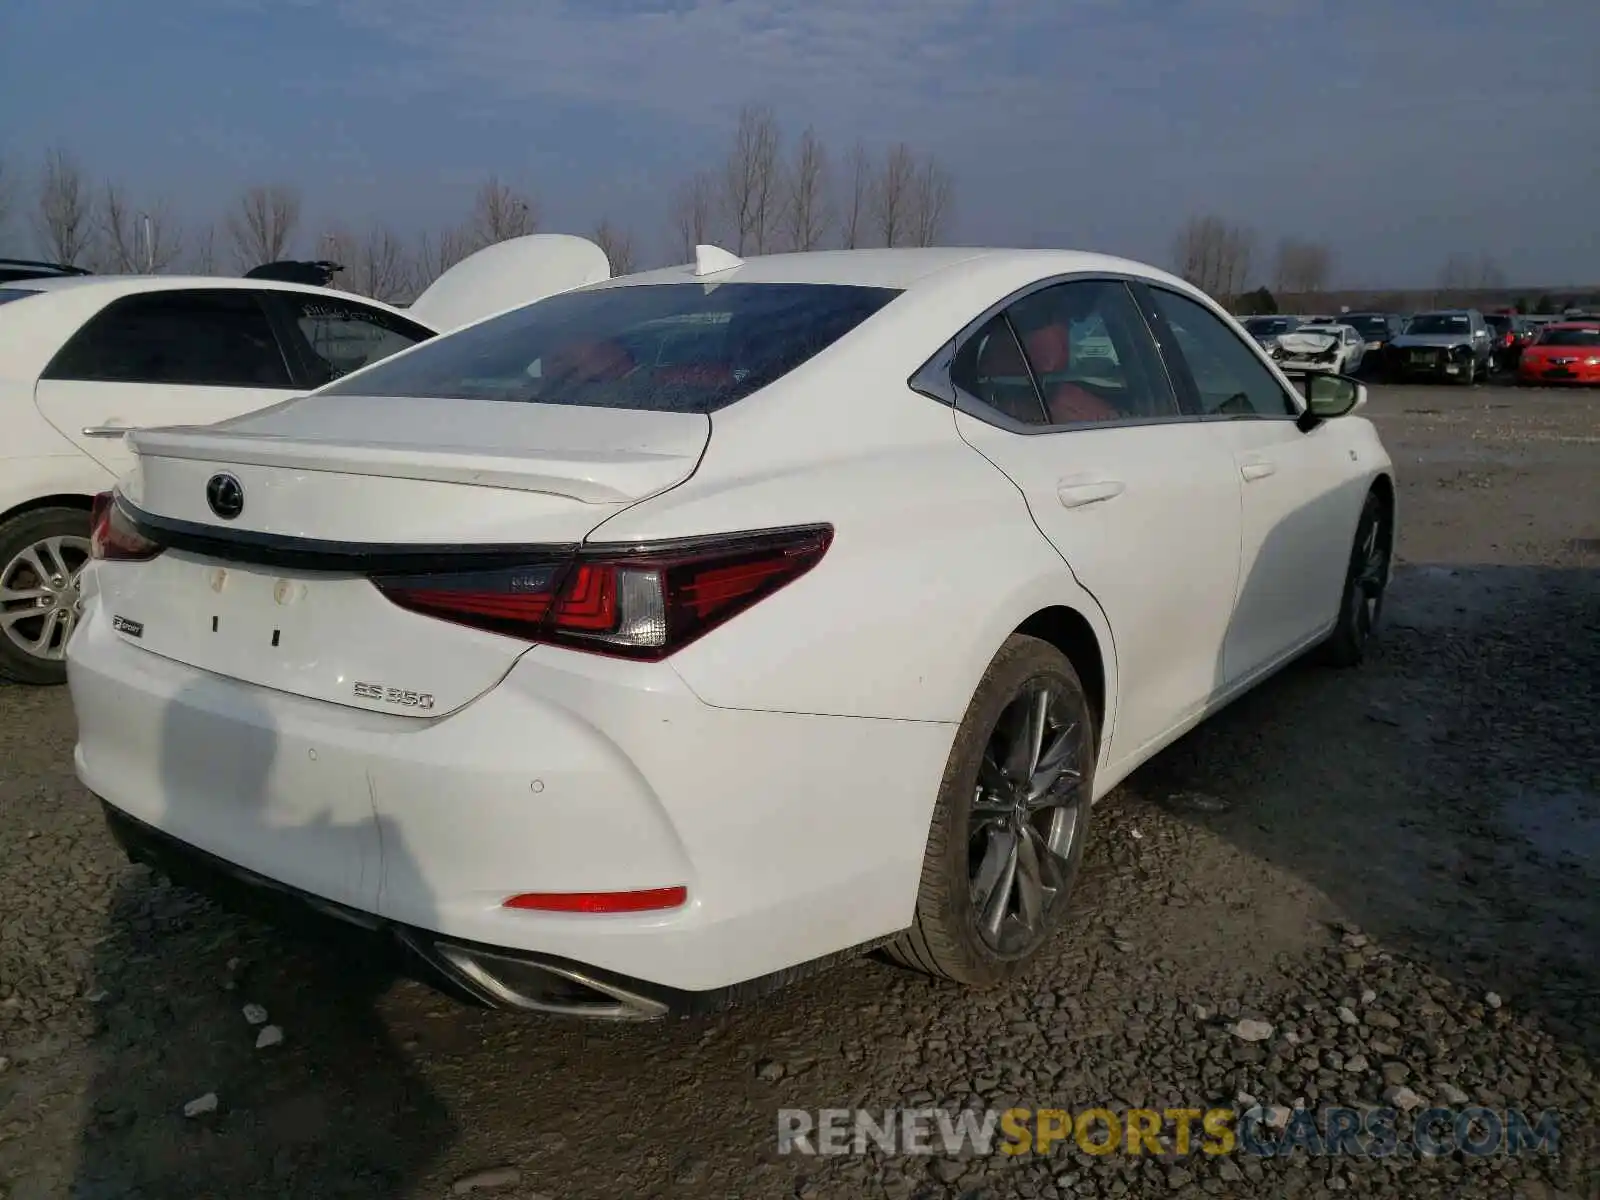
x=690 y=348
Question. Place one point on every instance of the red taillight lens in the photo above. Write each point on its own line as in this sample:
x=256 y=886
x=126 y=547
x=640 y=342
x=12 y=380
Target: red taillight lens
x=113 y=537
x=639 y=602
x=645 y=900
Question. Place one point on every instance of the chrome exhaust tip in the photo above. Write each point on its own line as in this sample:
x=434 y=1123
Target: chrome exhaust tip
x=506 y=981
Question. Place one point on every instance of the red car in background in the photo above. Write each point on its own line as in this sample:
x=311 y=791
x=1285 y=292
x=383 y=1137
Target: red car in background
x=1566 y=352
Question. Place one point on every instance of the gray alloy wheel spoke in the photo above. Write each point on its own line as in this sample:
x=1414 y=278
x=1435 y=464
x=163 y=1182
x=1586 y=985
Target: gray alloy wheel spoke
x=997 y=901
x=1030 y=884
x=10 y=616
x=1052 y=764
x=55 y=560
x=17 y=595
x=1050 y=864
x=40 y=646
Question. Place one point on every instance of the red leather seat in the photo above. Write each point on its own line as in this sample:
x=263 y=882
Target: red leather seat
x=1050 y=350
x=707 y=374
x=590 y=362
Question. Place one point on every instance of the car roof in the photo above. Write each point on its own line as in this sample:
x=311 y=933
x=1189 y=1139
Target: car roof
x=903 y=268
x=127 y=285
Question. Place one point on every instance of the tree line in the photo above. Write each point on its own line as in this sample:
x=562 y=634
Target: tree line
x=769 y=193
x=1222 y=259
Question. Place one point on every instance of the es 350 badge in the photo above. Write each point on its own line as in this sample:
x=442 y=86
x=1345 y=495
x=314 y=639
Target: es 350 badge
x=400 y=697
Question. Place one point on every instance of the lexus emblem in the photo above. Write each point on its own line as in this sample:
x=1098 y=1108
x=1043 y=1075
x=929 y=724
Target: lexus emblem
x=225 y=495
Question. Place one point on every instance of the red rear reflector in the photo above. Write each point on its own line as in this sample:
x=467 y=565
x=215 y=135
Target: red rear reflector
x=647 y=900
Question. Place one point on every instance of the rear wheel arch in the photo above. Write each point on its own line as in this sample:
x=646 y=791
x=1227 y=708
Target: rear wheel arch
x=65 y=500
x=1383 y=488
x=1069 y=631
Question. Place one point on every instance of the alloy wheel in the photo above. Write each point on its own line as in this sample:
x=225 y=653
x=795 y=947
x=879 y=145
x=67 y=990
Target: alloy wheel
x=1025 y=815
x=1371 y=573
x=41 y=595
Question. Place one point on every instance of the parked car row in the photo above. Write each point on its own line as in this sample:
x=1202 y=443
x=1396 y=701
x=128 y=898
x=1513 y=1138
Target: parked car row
x=1455 y=345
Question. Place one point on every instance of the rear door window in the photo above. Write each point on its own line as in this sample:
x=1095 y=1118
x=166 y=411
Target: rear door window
x=336 y=336
x=662 y=347
x=205 y=336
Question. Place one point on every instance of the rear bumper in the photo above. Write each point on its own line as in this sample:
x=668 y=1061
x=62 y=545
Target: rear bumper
x=797 y=837
x=491 y=976
x=1400 y=363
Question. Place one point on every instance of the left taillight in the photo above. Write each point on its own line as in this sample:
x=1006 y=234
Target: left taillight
x=112 y=536
x=635 y=602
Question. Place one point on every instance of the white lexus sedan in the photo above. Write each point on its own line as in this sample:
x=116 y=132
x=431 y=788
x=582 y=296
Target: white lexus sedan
x=643 y=647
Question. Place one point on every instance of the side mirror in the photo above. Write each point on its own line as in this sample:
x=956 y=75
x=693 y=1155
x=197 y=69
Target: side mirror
x=1330 y=396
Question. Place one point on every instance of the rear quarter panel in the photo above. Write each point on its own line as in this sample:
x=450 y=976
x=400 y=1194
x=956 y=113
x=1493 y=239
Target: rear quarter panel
x=935 y=559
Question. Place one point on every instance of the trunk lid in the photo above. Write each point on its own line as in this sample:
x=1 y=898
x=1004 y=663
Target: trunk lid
x=335 y=488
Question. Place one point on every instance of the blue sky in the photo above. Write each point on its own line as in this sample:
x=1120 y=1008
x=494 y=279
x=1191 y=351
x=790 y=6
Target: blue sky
x=1398 y=131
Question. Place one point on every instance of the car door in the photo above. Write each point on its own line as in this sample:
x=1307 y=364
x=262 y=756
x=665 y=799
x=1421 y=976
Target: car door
x=186 y=356
x=1296 y=509
x=1136 y=496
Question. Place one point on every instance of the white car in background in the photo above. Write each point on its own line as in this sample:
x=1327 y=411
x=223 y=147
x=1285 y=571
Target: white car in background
x=634 y=650
x=86 y=358
x=1321 y=344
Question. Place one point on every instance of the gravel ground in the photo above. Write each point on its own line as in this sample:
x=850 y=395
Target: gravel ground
x=1356 y=859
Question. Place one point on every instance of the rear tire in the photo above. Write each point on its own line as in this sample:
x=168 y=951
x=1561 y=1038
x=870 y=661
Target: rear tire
x=42 y=553
x=1366 y=579
x=1009 y=823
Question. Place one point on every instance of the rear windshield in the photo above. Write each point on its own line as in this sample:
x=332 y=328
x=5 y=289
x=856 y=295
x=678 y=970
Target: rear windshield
x=677 y=347
x=1497 y=320
x=1570 y=337
x=1439 y=323
x=1269 y=325
x=1369 y=325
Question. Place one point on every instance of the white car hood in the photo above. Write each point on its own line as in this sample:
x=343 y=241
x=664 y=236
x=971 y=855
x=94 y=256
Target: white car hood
x=508 y=275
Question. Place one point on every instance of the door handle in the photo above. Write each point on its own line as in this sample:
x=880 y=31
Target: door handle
x=1078 y=494
x=106 y=431
x=1253 y=471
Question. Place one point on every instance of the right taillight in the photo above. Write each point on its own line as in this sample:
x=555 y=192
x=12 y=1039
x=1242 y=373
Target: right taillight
x=112 y=536
x=635 y=602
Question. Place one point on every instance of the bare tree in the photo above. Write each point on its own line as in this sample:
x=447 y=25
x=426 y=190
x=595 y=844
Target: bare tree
x=694 y=209
x=892 y=196
x=500 y=213
x=618 y=245
x=437 y=253
x=263 y=224
x=1471 y=272
x=806 y=210
x=1302 y=267
x=857 y=206
x=930 y=202
x=135 y=241
x=750 y=179
x=64 y=219
x=202 y=257
x=375 y=263
x=1214 y=256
